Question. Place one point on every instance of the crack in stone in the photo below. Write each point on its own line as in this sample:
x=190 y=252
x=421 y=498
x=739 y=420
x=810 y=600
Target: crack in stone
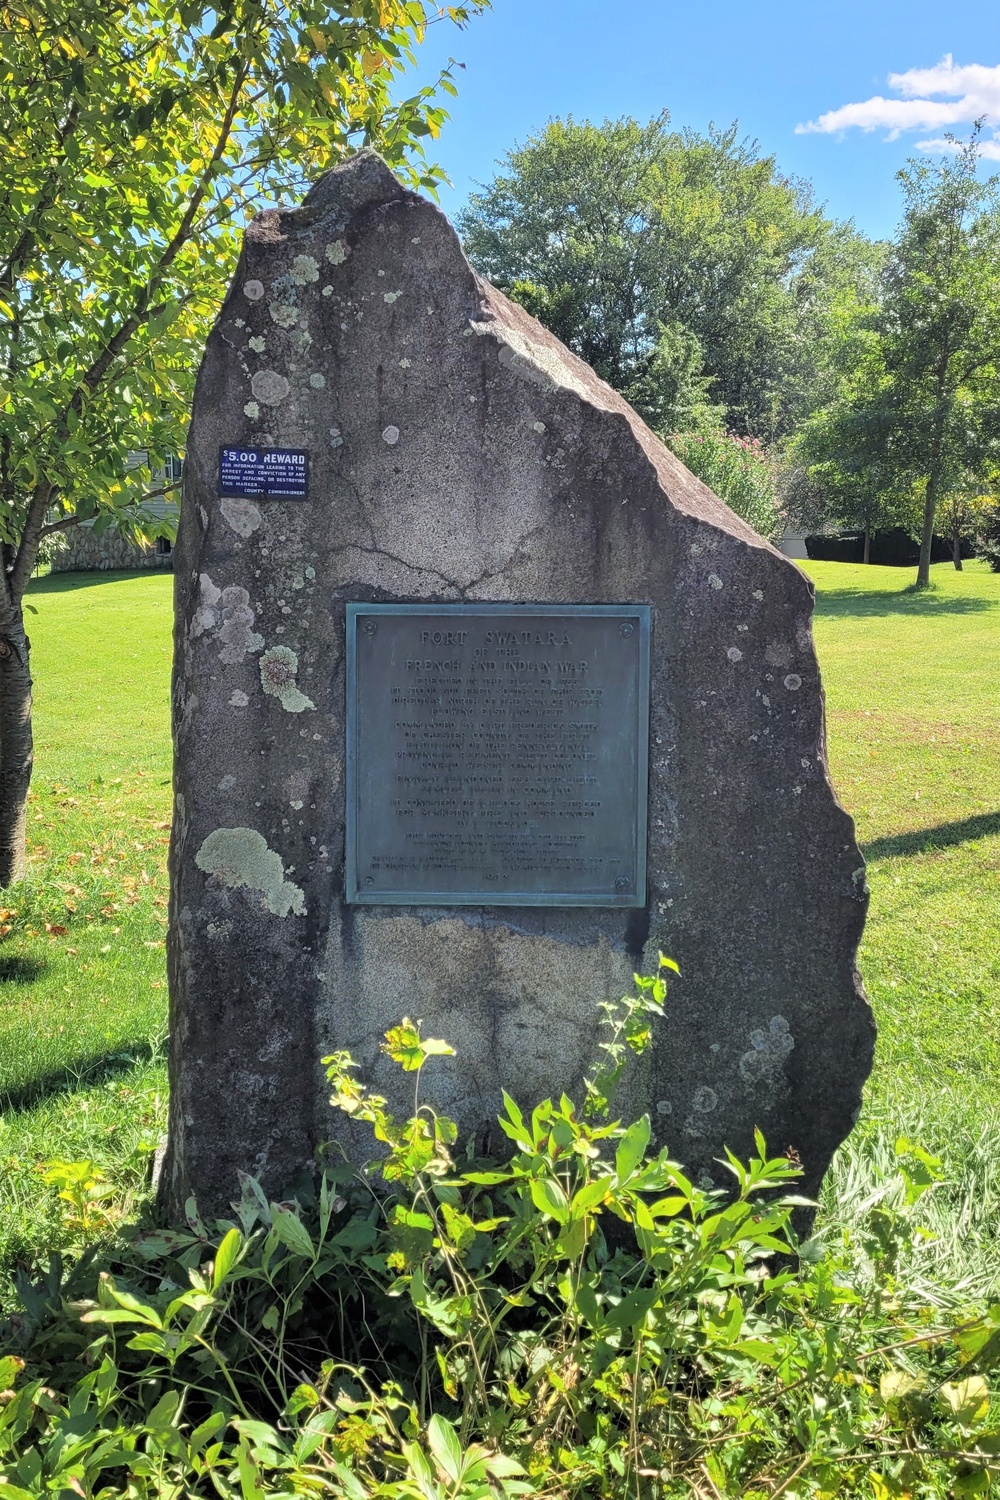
x=462 y=590
x=490 y=573
x=391 y=557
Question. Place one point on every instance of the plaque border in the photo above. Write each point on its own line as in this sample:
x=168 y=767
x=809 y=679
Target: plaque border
x=357 y=896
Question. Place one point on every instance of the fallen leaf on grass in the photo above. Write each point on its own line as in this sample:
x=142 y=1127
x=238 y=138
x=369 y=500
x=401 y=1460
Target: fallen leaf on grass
x=54 y=930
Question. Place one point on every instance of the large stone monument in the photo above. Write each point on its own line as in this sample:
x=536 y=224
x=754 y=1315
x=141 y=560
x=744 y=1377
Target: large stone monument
x=480 y=700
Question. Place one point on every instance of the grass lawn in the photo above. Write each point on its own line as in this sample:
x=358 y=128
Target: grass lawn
x=82 y=981
x=913 y=691
x=912 y=685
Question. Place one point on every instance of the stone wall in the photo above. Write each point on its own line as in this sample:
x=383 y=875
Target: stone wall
x=85 y=552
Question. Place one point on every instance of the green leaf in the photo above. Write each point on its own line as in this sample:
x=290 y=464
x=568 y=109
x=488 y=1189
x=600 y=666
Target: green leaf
x=357 y=1234
x=351 y=1485
x=760 y=1351
x=434 y=1047
x=548 y=1197
x=117 y=1315
x=668 y=1208
x=968 y=1400
x=633 y=1309
x=153 y=1343
x=896 y=1385
x=251 y=1487
x=585 y=1301
x=206 y=1431
x=291 y=1231
x=502 y=1467
x=420 y=1468
x=259 y=1433
x=514 y=1125
x=573 y=1239
x=590 y=1196
x=226 y=1257
x=165 y=1410
x=445 y=1447
x=632 y=1149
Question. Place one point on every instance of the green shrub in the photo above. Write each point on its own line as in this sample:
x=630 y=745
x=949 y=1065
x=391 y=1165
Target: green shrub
x=739 y=471
x=581 y=1320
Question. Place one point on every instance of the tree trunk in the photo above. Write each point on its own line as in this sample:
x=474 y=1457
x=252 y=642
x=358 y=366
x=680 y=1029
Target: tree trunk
x=868 y=541
x=956 y=548
x=16 y=753
x=927 y=535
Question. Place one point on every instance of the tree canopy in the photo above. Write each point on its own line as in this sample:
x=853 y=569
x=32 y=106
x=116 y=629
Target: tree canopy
x=686 y=269
x=138 y=137
x=913 y=420
x=940 y=331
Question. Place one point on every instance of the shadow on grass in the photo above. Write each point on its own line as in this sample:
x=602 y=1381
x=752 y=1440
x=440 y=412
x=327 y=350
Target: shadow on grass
x=71 y=1078
x=17 y=968
x=68 y=583
x=924 y=840
x=841 y=603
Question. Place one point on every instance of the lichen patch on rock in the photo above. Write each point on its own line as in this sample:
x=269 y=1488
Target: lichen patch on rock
x=240 y=859
x=304 y=270
x=270 y=387
x=236 y=620
x=242 y=515
x=278 y=670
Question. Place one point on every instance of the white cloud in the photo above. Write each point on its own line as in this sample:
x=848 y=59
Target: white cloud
x=988 y=150
x=931 y=99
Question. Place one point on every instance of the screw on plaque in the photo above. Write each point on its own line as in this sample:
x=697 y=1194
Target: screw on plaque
x=622 y=883
x=369 y=627
x=369 y=880
x=626 y=628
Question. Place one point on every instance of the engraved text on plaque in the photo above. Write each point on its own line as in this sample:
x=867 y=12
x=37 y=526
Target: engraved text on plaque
x=497 y=754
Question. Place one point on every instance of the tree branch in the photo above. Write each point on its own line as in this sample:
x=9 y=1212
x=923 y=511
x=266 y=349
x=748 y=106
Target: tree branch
x=45 y=200
x=69 y=521
x=55 y=526
x=27 y=551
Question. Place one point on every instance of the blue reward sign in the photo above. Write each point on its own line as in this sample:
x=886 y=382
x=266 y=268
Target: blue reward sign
x=278 y=473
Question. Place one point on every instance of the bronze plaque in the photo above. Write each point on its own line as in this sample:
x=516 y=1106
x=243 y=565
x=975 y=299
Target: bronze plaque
x=497 y=754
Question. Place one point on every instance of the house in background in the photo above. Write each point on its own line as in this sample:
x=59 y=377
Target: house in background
x=84 y=552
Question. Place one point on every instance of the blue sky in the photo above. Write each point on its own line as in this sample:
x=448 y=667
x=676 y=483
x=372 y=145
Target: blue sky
x=772 y=66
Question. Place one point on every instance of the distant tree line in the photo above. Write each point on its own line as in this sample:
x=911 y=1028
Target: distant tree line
x=802 y=370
